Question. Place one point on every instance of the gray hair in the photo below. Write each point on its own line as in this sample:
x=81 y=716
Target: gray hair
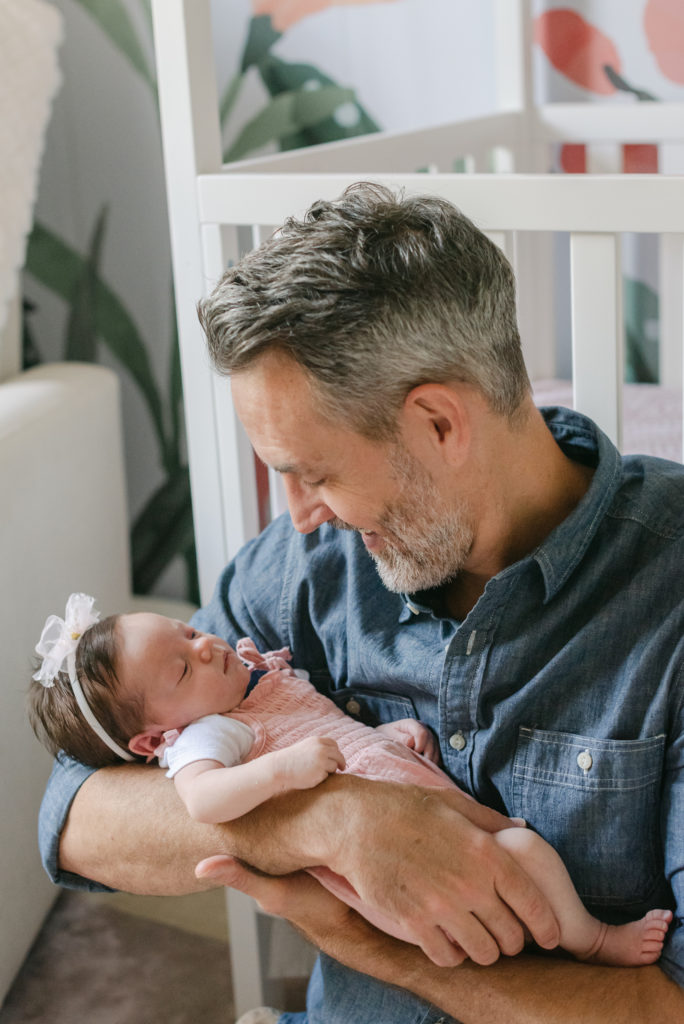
x=373 y=295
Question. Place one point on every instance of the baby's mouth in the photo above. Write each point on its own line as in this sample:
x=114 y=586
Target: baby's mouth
x=225 y=652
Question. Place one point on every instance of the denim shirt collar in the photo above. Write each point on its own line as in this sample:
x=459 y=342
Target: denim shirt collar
x=564 y=548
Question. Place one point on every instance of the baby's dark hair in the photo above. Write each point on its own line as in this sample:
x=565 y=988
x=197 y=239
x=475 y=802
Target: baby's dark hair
x=56 y=718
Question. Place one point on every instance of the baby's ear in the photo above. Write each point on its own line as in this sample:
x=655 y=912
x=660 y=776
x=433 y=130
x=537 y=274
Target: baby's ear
x=145 y=743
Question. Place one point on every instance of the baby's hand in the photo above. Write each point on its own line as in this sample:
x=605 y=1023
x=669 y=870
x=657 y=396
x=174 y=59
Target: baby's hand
x=305 y=764
x=413 y=734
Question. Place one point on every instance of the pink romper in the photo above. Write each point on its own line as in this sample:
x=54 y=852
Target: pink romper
x=284 y=708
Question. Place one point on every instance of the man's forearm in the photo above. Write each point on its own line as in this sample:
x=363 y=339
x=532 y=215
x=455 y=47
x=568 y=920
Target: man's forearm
x=522 y=990
x=127 y=828
x=543 y=990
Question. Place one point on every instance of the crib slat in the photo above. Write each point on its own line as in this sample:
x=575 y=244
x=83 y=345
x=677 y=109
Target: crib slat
x=671 y=282
x=192 y=145
x=276 y=493
x=597 y=349
x=259 y=235
x=671 y=309
x=604 y=158
x=502 y=160
x=504 y=240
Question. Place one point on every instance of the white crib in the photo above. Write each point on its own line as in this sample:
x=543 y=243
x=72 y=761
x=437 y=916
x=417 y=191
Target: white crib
x=217 y=211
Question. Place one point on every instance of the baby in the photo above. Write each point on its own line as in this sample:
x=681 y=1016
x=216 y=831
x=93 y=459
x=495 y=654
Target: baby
x=232 y=737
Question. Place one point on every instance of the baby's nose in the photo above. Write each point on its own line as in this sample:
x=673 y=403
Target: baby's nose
x=204 y=645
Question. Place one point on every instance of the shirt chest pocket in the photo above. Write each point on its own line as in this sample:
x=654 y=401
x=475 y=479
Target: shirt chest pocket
x=597 y=802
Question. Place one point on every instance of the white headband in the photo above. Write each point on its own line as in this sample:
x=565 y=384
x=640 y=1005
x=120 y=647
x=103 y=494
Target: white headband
x=57 y=645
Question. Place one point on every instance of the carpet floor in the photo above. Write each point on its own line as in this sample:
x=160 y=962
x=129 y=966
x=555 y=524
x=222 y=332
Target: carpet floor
x=95 y=964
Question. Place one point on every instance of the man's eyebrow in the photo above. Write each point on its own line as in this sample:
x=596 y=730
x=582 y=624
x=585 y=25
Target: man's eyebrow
x=293 y=467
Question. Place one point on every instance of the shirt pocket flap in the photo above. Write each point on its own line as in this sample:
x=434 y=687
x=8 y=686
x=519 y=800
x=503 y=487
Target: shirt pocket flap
x=597 y=802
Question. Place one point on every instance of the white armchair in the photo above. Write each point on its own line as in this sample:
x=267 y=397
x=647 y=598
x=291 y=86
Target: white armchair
x=63 y=527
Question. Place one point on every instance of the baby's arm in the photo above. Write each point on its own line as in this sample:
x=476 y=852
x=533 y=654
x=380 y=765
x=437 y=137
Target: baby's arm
x=413 y=734
x=213 y=793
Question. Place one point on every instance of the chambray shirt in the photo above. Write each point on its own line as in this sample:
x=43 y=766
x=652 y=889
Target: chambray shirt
x=557 y=699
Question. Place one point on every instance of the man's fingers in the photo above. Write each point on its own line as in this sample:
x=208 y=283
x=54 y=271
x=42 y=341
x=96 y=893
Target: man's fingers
x=474 y=942
x=505 y=930
x=477 y=942
x=438 y=947
x=529 y=905
x=272 y=894
x=338 y=760
x=298 y=897
x=225 y=870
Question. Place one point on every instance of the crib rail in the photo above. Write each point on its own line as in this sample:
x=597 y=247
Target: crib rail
x=521 y=202
x=593 y=210
x=437 y=148
x=513 y=140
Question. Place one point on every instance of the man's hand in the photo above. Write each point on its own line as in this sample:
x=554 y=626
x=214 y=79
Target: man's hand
x=525 y=990
x=412 y=734
x=427 y=857
x=297 y=897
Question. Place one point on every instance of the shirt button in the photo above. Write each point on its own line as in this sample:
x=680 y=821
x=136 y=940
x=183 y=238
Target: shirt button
x=585 y=760
x=353 y=706
x=457 y=741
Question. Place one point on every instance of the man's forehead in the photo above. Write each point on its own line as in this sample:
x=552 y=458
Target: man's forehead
x=283 y=421
x=273 y=371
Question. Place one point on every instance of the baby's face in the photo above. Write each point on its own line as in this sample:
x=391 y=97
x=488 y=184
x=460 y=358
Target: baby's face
x=182 y=673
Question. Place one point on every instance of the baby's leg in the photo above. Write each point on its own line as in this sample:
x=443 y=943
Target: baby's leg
x=628 y=945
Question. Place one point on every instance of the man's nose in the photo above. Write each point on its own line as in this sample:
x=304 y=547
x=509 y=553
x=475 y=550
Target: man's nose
x=307 y=510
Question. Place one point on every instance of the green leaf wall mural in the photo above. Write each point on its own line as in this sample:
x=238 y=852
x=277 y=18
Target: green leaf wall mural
x=306 y=107
x=302 y=108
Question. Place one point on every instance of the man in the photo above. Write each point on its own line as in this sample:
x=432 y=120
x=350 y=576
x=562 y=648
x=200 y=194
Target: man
x=526 y=605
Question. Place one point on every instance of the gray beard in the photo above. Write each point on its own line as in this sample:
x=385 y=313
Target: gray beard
x=426 y=541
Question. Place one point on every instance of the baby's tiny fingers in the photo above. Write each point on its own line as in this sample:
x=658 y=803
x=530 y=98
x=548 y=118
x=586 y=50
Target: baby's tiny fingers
x=339 y=761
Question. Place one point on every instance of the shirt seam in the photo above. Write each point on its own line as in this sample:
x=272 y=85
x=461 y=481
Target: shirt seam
x=626 y=517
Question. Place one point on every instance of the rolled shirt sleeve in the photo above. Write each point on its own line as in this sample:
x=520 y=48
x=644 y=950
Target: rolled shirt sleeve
x=66 y=779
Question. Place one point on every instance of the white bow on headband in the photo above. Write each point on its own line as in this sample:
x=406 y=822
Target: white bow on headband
x=57 y=647
x=59 y=639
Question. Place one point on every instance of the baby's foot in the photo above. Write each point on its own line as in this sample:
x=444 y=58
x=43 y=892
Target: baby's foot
x=631 y=945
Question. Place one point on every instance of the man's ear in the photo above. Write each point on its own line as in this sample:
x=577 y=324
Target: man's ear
x=438 y=414
x=145 y=743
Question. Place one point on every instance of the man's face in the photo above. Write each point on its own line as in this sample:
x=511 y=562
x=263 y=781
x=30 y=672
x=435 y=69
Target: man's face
x=332 y=474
